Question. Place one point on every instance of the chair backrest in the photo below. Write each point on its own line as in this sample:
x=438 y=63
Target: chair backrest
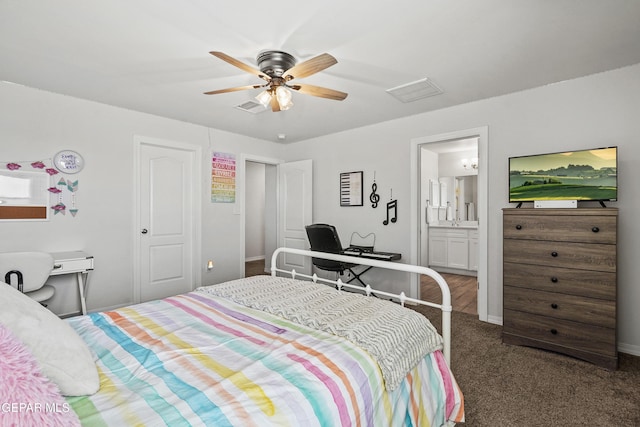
x=324 y=238
x=34 y=268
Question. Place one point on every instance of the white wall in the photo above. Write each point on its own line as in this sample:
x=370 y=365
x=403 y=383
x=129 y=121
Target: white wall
x=34 y=125
x=594 y=111
x=450 y=164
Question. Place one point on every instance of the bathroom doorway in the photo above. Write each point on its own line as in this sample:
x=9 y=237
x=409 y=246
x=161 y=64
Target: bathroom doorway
x=450 y=216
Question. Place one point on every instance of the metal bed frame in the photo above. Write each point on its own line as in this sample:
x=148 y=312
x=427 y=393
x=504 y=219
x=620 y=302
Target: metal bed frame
x=445 y=307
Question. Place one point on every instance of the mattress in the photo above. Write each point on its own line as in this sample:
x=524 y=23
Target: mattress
x=203 y=360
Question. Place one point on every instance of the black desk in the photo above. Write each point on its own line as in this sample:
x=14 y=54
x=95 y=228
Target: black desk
x=381 y=256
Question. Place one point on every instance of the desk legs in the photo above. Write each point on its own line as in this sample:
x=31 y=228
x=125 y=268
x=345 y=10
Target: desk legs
x=356 y=276
x=81 y=289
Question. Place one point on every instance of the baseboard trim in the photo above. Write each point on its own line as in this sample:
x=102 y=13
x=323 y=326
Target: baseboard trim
x=631 y=349
x=496 y=320
x=254 y=258
x=455 y=271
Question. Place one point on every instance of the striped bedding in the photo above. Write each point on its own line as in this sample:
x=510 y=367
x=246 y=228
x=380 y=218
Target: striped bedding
x=395 y=337
x=200 y=360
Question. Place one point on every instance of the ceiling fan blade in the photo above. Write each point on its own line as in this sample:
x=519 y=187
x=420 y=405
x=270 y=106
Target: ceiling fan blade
x=233 y=89
x=322 y=92
x=249 y=69
x=275 y=105
x=309 y=67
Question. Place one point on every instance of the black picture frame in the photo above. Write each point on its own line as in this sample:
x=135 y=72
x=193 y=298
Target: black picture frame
x=351 y=189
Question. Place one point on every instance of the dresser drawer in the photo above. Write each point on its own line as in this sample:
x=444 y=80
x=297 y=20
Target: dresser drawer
x=566 y=228
x=589 y=311
x=71 y=262
x=594 y=284
x=561 y=333
x=597 y=257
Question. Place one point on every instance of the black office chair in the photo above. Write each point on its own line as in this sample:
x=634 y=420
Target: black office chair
x=324 y=238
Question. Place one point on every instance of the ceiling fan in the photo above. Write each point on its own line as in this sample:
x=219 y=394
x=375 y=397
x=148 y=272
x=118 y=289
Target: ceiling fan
x=278 y=68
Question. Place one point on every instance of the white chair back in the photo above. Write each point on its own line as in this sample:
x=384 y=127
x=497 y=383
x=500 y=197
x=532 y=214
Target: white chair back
x=34 y=267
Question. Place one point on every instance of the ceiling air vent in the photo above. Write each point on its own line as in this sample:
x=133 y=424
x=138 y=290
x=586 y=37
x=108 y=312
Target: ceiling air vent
x=413 y=91
x=252 y=107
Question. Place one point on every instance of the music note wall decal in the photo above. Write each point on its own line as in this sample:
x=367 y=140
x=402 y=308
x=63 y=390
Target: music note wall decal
x=374 y=198
x=391 y=205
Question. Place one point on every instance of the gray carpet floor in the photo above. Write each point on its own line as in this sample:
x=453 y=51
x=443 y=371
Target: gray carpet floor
x=505 y=385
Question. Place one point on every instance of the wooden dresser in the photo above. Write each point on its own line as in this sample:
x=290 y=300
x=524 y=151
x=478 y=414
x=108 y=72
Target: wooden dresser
x=560 y=281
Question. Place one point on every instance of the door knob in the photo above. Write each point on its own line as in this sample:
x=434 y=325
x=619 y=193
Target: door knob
x=144 y=231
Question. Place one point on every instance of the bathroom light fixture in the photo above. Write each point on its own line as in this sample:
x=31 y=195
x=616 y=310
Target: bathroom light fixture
x=470 y=164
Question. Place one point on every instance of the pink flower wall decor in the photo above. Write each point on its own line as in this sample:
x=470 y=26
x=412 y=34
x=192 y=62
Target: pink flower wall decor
x=59 y=208
x=38 y=165
x=13 y=166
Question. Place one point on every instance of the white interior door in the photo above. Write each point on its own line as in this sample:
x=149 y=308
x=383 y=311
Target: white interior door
x=295 y=187
x=167 y=197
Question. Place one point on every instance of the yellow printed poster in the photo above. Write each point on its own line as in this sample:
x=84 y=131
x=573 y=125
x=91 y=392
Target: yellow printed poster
x=223 y=178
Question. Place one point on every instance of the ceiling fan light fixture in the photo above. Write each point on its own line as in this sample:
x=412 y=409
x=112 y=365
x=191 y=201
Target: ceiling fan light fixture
x=278 y=68
x=264 y=98
x=284 y=97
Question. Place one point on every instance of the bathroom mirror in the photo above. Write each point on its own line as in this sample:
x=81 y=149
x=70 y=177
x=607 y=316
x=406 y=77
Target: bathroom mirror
x=460 y=194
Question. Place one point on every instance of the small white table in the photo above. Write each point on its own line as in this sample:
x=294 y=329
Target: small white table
x=78 y=263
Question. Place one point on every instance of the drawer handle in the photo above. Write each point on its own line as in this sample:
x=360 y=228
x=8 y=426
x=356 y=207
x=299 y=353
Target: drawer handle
x=595 y=229
x=57 y=266
x=554 y=306
x=554 y=254
x=518 y=227
x=554 y=279
x=554 y=331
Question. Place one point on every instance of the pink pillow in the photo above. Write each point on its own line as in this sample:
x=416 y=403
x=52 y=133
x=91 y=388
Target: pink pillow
x=27 y=397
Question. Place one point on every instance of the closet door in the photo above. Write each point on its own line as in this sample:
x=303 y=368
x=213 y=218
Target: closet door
x=167 y=231
x=295 y=187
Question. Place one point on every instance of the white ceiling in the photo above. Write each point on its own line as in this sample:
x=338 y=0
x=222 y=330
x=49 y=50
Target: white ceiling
x=152 y=55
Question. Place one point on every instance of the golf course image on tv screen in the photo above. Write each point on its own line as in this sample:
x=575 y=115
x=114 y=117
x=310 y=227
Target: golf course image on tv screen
x=573 y=175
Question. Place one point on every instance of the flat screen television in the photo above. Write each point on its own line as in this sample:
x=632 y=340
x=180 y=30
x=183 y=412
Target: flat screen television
x=583 y=175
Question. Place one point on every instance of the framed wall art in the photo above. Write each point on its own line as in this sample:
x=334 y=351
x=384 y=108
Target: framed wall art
x=351 y=189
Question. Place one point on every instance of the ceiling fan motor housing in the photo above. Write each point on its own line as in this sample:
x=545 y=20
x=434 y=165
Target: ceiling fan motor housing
x=274 y=63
